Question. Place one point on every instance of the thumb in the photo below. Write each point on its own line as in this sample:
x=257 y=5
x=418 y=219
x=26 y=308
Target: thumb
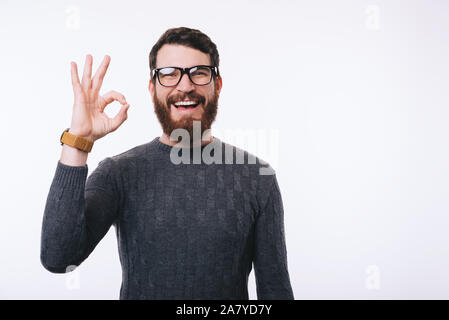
x=120 y=117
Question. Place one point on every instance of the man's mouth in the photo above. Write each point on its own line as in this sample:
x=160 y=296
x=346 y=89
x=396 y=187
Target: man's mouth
x=186 y=105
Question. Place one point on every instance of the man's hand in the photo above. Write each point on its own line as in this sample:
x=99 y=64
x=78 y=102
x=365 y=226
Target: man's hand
x=88 y=117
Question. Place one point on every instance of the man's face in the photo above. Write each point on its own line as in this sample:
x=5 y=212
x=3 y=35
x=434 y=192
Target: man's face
x=164 y=98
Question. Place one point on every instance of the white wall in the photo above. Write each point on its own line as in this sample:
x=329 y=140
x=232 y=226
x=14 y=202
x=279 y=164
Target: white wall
x=361 y=111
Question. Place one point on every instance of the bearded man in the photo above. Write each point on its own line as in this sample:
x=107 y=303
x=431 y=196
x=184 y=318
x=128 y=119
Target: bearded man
x=184 y=230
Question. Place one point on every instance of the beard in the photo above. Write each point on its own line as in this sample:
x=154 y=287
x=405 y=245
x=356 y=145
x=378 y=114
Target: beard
x=163 y=113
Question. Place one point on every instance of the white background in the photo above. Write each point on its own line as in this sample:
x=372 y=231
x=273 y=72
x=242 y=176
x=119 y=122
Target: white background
x=358 y=91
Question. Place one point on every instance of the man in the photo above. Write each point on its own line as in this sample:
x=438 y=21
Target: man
x=185 y=230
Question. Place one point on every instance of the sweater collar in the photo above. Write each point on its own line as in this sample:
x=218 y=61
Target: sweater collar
x=167 y=148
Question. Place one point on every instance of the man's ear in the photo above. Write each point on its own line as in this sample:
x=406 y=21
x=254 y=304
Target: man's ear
x=151 y=87
x=218 y=84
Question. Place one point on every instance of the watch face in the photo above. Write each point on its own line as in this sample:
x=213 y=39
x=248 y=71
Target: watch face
x=60 y=139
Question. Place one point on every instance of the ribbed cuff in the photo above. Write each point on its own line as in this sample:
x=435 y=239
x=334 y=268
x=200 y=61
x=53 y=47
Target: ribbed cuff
x=70 y=176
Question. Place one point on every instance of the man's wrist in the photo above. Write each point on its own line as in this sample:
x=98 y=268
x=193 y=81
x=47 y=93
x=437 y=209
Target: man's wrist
x=78 y=134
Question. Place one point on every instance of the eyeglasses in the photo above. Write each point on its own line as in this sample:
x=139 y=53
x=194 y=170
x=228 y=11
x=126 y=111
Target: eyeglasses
x=199 y=75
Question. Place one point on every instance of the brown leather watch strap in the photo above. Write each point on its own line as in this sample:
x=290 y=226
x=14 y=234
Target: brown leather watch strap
x=72 y=140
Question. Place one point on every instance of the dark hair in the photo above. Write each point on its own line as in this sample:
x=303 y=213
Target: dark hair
x=192 y=38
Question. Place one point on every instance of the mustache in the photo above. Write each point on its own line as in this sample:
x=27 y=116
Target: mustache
x=192 y=96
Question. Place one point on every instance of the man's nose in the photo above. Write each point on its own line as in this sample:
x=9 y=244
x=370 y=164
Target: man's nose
x=185 y=84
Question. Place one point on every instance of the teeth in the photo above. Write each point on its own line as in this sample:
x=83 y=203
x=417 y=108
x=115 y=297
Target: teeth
x=185 y=103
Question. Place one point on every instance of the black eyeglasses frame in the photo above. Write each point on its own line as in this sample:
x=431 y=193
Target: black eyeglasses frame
x=214 y=69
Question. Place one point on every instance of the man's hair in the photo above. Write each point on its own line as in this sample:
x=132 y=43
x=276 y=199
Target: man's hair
x=191 y=38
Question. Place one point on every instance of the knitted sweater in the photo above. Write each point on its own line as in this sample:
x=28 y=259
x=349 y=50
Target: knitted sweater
x=184 y=231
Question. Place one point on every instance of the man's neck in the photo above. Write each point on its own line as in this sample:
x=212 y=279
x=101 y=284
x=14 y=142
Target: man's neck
x=165 y=139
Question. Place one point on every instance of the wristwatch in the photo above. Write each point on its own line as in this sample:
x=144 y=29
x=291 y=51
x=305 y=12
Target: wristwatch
x=72 y=140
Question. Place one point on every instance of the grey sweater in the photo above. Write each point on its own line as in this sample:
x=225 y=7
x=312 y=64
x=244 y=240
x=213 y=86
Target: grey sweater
x=184 y=231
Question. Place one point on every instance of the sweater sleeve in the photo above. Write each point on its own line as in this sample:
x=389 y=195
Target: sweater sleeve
x=270 y=256
x=77 y=214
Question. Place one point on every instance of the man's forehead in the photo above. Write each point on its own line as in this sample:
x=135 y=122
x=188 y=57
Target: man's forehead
x=180 y=56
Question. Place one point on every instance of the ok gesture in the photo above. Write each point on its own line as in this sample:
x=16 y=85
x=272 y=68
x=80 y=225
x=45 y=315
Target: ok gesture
x=88 y=117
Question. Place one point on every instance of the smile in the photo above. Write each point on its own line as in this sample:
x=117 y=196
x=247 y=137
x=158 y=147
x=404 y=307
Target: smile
x=186 y=104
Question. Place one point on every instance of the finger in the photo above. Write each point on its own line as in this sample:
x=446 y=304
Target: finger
x=86 y=81
x=97 y=80
x=120 y=117
x=113 y=96
x=74 y=72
